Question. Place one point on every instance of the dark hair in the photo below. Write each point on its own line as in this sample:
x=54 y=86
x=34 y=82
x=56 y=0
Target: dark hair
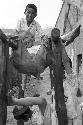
x=31 y=6
x=55 y=32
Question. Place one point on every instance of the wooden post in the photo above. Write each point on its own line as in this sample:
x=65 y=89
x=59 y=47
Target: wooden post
x=82 y=119
x=4 y=58
x=21 y=95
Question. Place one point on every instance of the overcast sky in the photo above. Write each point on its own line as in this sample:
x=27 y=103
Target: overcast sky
x=12 y=10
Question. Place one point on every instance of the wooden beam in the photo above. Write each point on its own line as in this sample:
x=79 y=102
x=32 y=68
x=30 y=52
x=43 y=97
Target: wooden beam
x=4 y=57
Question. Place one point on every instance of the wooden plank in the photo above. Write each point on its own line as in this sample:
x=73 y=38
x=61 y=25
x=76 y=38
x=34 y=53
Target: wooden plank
x=4 y=55
x=21 y=94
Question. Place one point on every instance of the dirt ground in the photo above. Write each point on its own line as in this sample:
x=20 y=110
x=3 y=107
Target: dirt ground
x=41 y=87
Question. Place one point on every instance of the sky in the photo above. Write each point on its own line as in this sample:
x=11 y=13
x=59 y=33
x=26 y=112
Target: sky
x=13 y=10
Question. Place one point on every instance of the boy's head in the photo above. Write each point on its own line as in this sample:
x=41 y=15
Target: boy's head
x=55 y=35
x=30 y=12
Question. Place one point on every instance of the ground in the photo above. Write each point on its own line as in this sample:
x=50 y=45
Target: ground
x=41 y=87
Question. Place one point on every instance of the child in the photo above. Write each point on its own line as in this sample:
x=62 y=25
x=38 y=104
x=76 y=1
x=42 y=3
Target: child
x=29 y=24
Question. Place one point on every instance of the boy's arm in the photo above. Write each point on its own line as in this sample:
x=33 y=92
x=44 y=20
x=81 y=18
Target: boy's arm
x=69 y=38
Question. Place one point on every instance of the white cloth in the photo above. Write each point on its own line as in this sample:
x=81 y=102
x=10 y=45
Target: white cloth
x=34 y=28
x=34 y=49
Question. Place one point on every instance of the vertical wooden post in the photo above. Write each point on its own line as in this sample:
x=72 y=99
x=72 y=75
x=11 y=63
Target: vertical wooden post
x=21 y=95
x=4 y=56
x=82 y=119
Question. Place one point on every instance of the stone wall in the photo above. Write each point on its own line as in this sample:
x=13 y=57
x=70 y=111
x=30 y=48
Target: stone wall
x=70 y=17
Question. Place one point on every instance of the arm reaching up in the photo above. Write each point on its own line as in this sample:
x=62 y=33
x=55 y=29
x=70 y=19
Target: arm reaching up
x=69 y=38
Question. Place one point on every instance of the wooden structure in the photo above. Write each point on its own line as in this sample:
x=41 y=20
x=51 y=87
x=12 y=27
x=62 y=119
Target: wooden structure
x=21 y=94
x=4 y=58
x=5 y=82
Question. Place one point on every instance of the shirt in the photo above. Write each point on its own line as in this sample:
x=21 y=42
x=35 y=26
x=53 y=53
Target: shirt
x=34 y=28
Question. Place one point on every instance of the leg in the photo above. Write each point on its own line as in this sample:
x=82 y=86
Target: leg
x=71 y=35
x=30 y=101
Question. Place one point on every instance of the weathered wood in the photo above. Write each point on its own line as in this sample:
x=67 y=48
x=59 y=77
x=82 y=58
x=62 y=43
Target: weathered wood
x=57 y=81
x=21 y=94
x=4 y=57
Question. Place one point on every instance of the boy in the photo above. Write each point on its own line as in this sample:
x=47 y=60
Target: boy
x=29 y=24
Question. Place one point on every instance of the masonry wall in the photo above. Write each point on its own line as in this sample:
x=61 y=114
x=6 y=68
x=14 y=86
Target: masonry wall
x=70 y=17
